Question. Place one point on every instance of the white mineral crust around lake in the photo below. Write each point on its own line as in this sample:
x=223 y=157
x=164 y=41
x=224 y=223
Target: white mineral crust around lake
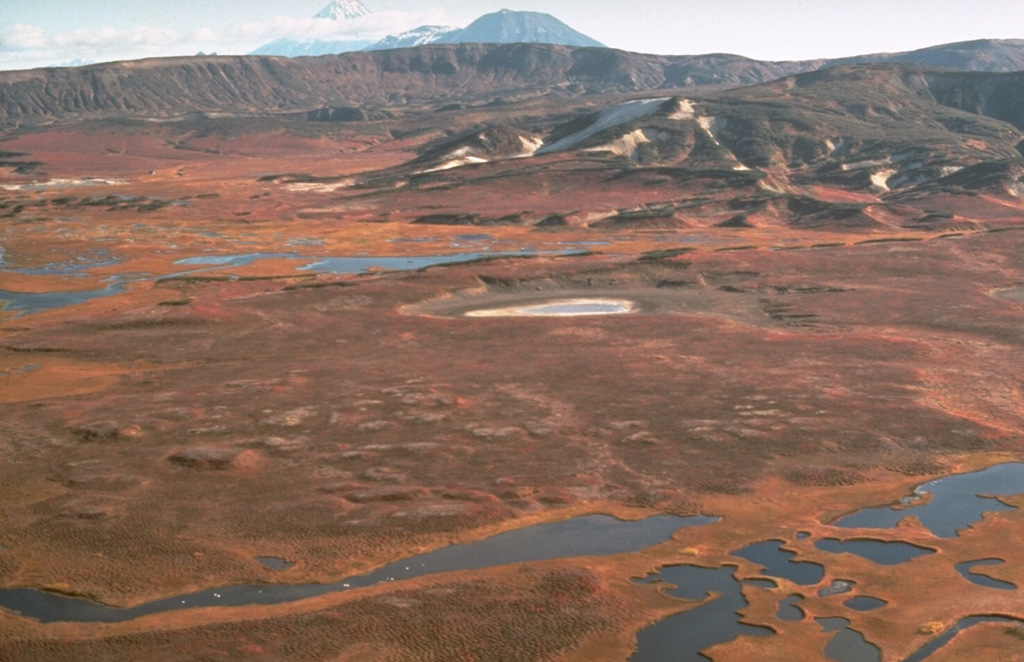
x=560 y=308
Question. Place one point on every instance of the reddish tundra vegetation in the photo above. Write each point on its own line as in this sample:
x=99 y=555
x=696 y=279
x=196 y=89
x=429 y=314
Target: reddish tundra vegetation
x=193 y=377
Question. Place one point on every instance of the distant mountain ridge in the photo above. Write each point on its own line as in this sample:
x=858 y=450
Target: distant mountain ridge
x=167 y=88
x=977 y=55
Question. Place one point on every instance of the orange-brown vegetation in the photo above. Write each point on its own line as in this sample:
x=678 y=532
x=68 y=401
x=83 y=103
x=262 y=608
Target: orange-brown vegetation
x=157 y=441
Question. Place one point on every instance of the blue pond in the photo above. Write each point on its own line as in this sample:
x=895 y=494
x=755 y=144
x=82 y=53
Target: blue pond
x=788 y=609
x=356 y=265
x=30 y=303
x=883 y=552
x=967 y=570
x=777 y=562
x=956 y=501
x=847 y=645
x=590 y=535
x=237 y=260
x=864 y=603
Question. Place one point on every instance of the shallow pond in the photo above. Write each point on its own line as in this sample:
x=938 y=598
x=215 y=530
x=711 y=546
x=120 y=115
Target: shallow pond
x=788 y=609
x=967 y=570
x=847 y=645
x=777 y=562
x=836 y=587
x=236 y=260
x=34 y=302
x=864 y=603
x=883 y=552
x=590 y=535
x=274 y=562
x=356 y=265
x=681 y=637
x=956 y=502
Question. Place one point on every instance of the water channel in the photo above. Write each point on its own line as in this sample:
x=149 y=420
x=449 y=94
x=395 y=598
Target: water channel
x=589 y=535
x=681 y=637
x=677 y=638
x=935 y=644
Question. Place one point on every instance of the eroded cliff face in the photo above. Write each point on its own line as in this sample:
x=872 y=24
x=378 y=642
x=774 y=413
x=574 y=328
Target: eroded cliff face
x=243 y=86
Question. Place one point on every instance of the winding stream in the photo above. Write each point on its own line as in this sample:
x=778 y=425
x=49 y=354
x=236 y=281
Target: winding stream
x=681 y=637
x=935 y=644
x=590 y=535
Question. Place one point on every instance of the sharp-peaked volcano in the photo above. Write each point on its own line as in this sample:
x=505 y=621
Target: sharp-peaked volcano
x=339 y=11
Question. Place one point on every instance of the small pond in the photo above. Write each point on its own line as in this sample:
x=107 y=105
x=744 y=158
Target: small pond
x=966 y=569
x=883 y=552
x=777 y=562
x=357 y=265
x=836 y=587
x=236 y=260
x=589 y=535
x=864 y=603
x=274 y=562
x=788 y=609
x=847 y=645
x=34 y=302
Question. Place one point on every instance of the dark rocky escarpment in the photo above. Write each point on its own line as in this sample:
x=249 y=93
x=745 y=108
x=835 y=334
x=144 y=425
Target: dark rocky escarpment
x=171 y=88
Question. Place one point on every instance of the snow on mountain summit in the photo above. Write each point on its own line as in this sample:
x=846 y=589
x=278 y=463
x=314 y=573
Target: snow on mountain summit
x=338 y=10
x=343 y=9
x=425 y=34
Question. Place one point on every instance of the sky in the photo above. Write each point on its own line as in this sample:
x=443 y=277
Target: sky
x=36 y=33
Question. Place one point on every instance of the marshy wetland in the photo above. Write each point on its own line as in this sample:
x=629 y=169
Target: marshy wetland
x=220 y=388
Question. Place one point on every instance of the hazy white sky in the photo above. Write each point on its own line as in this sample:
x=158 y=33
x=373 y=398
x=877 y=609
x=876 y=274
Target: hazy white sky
x=47 y=32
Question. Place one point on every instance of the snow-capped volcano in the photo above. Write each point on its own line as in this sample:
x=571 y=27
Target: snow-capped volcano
x=338 y=10
x=509 y=27
x=343 y=10
x=425 y=34
x=502 y=27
